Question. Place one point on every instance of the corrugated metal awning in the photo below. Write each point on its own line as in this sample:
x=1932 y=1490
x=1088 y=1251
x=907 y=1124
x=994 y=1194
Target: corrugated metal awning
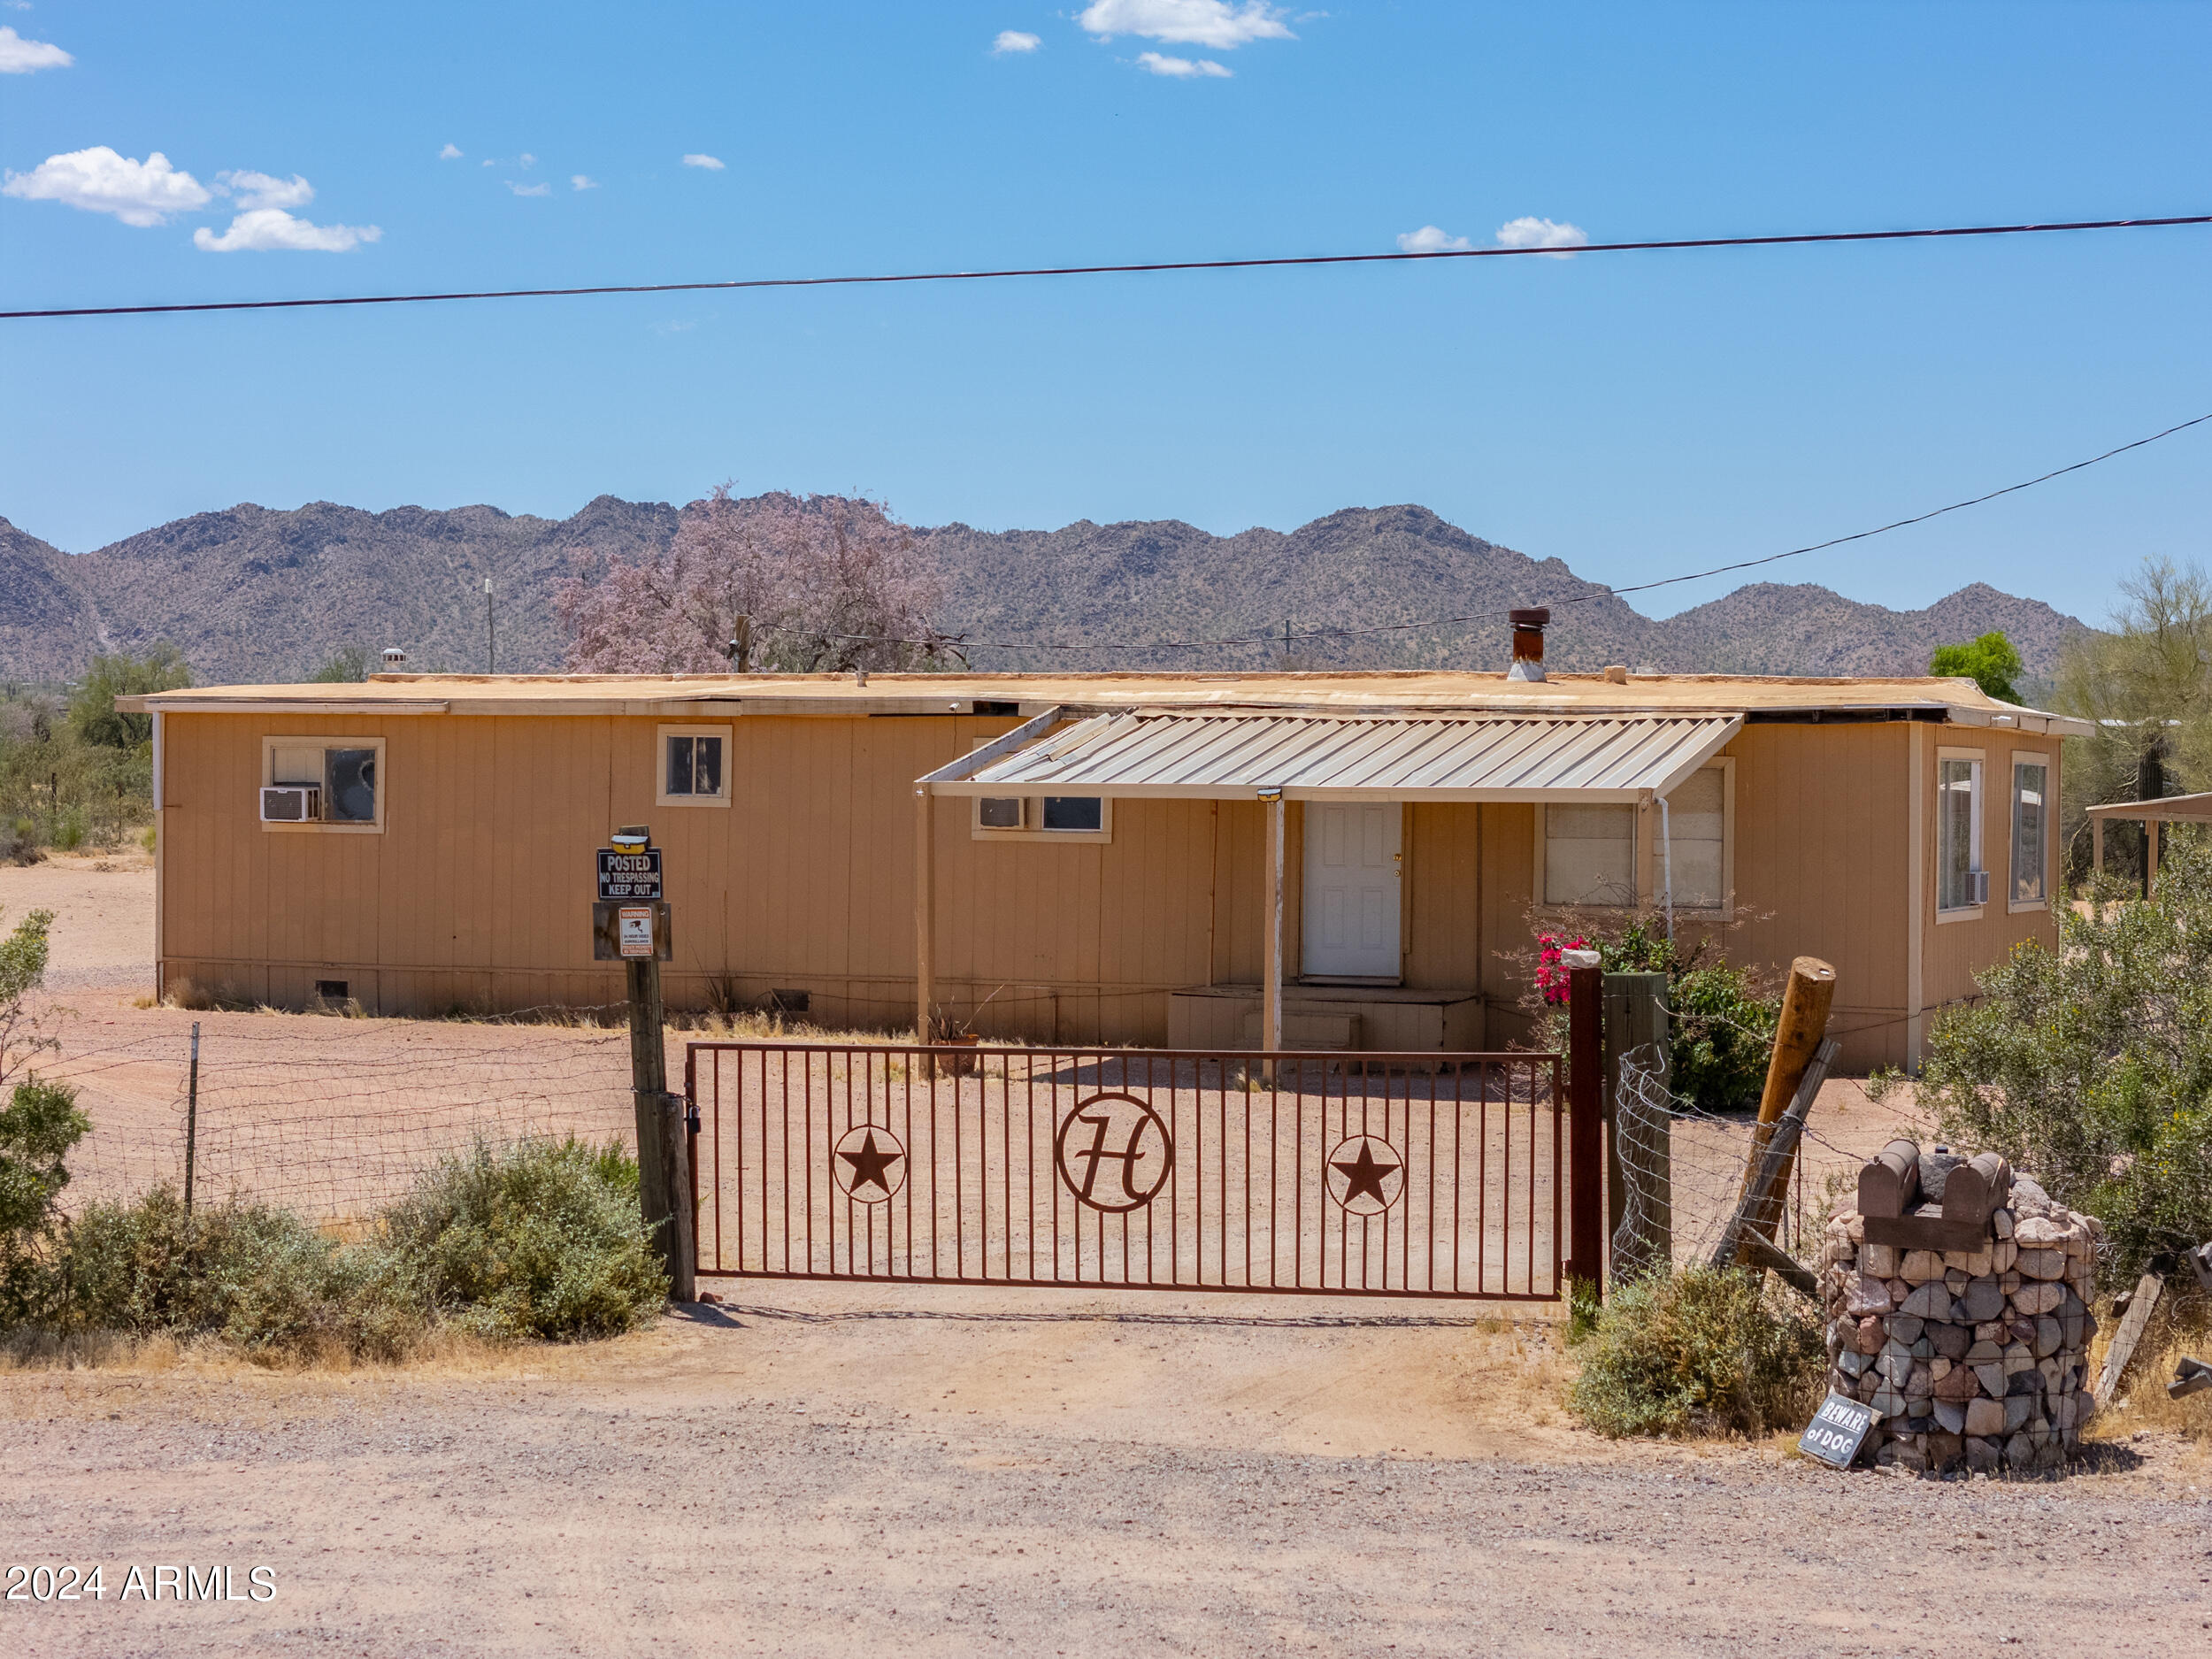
x=1225 y=756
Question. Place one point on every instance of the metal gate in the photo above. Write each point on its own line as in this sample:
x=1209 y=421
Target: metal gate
x=1377 y=1174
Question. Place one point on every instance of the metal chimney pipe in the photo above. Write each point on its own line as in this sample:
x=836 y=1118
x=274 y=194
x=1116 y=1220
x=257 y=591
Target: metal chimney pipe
x=1528 y=643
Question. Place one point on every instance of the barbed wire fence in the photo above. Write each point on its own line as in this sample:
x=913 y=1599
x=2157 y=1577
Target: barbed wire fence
x=334 y=1119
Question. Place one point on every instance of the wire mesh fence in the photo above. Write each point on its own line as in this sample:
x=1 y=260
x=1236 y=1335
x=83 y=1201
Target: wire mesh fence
x=1681 y=1170
x=332 y=1117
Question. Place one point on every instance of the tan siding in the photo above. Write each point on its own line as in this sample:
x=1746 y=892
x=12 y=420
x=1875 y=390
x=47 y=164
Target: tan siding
x=1954 y=951
x=478 y=892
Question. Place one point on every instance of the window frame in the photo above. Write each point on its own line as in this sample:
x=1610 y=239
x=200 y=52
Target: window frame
x=325 y=827
x=1725 y=765
x=1639 y=845
x=1977 y=830
x=661 y=735
x=2045 y=759
x=1033 y=827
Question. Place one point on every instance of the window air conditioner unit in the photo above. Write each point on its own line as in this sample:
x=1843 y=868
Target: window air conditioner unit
x=1977 y=886
x=291 y=803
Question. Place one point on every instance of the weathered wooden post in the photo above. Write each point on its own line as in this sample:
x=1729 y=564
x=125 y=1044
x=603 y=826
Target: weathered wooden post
x=1639 y=1144
x=1586 y=1129
x=1797 y=1038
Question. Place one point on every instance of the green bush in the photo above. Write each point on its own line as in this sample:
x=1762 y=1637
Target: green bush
x=541 y=1239
x=1701 y=1350
x=533 y=1240
x=38 y=1128
x=259 y=1277
x=1720 y=1030
x=2091 y=1065
x=71 y=829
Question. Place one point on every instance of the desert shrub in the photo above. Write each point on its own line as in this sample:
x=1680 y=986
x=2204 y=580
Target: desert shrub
x=533 y=1240
x=259 y=1277
x=2091 y=1065
x=1700 y=1350
x=39 y=1126
x=539 y=1239
x=71 y=829
x=1720 y=1026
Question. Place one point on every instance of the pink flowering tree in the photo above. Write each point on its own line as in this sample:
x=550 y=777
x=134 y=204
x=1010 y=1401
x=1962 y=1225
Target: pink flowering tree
x=814 y=583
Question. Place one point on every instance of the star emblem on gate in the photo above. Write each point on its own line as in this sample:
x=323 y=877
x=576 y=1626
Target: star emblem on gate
x=868 y=1163
x=1366 y=1175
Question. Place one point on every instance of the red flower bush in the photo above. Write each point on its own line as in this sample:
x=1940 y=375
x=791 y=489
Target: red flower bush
x=1551 y=975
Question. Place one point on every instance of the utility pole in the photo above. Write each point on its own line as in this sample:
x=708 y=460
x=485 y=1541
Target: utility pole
x=1286 y=643
x=491 y=640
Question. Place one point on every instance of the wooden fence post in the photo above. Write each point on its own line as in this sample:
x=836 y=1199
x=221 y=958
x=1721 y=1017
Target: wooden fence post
x=1586 y=1130
x=1638 y=1147
x=1797 y=1038
x=662 y=1179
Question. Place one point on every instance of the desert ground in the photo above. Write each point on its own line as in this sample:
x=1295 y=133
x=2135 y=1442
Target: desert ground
x=854 y=1468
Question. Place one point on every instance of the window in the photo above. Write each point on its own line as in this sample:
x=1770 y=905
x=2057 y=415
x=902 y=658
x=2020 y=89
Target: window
x=1051 y=818
x=2030 y=821
x=1697 y=840
x=1590 y=855
x=1079 y=812
x=1960 y=882
x=322 y=783
x=694 y=765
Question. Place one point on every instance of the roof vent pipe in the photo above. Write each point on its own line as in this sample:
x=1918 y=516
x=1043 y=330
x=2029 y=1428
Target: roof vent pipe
x=394 y=657
x=1528 y=644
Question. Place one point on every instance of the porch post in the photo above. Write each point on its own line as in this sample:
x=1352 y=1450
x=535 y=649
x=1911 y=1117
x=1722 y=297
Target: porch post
x=2096 y=845
x=2150 y=856
x=925 y=908
x=1271 y=998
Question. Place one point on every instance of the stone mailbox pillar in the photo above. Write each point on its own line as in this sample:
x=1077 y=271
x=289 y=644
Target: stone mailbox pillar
x=1964 y=1324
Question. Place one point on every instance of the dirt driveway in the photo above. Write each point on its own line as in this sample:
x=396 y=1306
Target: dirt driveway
x=809 y=1482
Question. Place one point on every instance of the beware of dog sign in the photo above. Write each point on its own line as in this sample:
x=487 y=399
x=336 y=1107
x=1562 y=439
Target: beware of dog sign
x=1836 y=1430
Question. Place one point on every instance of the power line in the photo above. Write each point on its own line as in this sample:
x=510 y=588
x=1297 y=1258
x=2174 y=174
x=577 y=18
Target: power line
x=1119 y=270
x=1490 y=615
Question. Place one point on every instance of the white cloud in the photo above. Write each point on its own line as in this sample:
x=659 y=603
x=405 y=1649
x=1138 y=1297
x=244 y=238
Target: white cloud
x=1214 y=23
x=273 y=230
x=526 y=161
x=1014 y=41
x=1542 y=233
x=451 y=152
x=261 y=189
x=582 y=182
x=1428 y=239
x=492 y=163
x=529 y=189
x=100 y=181
x=707 y=161
x=1180 y=68
x=19 y=57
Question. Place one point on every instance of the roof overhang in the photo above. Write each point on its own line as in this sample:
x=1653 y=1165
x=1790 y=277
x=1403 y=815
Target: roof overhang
x=1222 y=755
x=2192 y=809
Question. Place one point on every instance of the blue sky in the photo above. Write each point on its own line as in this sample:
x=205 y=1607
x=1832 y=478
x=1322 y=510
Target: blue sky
x=1635 y=415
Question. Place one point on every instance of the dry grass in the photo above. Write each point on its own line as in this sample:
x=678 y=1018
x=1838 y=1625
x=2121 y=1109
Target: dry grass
x=2181 y=1326
x=443 y=1352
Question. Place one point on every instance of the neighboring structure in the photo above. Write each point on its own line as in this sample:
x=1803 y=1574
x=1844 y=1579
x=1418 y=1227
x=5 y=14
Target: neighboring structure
x=1120 y=858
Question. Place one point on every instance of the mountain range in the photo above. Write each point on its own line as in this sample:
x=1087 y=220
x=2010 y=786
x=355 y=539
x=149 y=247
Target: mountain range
x=254 y=594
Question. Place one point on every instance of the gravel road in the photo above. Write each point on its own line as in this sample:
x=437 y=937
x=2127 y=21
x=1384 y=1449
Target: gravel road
x=833 y=1484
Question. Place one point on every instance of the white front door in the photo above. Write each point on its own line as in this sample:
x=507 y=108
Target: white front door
x=1351 y=896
